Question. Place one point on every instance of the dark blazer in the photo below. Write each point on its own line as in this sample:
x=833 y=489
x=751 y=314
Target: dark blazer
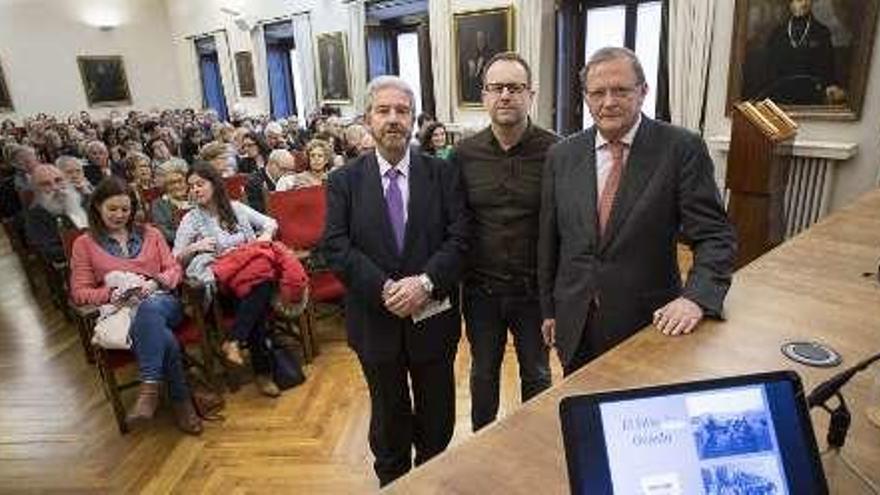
x=257 y=186
x=668 y=192
x=43 y=232
x=359 y=246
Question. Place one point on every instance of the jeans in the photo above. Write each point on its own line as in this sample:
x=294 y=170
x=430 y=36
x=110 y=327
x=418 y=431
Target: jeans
x=488 y=314
x=154 y=345
x=249 y=328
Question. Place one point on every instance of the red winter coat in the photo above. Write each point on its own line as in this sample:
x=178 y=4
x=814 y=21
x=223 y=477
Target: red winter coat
x=244 y=267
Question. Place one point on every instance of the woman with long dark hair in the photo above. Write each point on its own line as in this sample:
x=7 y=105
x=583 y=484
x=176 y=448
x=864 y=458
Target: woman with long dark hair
x=434 y=141
x=116 y=243
x=212 y=227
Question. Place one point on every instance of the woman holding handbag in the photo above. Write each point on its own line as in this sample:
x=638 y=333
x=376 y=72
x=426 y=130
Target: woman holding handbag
x=214 y=227
x=115 y=243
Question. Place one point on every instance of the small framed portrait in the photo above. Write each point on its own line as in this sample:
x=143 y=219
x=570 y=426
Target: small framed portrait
x=244 y=67
x=478 y=35
x=104 y=81
x=809 y=56
x=5 y=99
x=333 y=68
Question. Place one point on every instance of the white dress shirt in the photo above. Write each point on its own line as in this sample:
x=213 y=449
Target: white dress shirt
x=603 y=154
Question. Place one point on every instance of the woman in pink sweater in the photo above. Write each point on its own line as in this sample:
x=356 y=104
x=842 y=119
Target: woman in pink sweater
x=115 y=243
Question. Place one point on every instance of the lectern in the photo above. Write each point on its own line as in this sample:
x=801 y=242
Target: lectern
x=757 y=169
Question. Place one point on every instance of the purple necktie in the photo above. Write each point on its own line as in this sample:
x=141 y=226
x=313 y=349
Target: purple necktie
x=394 y=203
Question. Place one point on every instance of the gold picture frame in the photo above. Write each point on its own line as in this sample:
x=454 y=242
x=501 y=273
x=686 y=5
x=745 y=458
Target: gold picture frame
x=819 y=74
x=104 y=81
x=244 y=67
x=477 y=36
x=334 y=72
x=5 y=98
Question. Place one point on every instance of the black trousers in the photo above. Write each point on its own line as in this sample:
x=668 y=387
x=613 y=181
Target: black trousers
x=249 y=327
x=401 y=419
x=588 y=348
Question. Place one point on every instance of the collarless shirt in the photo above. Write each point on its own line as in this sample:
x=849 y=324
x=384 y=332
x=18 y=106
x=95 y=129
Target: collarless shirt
x=402 y=179
x=503 y=190
x=603 y=154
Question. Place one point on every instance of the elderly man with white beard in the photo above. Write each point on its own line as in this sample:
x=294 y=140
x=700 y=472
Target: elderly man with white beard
x=57 y=205
x=72 y=168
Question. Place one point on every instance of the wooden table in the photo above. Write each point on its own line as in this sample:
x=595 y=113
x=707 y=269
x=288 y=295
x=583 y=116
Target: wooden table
x=812 y=287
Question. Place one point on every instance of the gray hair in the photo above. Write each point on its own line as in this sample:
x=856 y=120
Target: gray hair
x=610 y=53
x=61 y=160
x=15 y=151
x=277 y=155
x=94 y=144
x=173 y=165
x=384 y=82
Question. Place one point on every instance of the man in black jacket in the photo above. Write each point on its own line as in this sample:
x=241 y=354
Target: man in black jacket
x=395 y=234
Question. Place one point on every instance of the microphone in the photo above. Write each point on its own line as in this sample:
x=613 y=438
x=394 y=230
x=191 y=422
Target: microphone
x=829 y=388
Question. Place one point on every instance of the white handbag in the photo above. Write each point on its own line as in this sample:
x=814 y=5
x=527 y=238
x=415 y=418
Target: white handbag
x=111 y=329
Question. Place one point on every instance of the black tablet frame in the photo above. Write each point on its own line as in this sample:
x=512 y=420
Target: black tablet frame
x=580 y=414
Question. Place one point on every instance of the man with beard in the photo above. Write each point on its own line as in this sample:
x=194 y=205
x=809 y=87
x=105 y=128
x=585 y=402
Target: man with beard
x=72 y=168
x=502 y=167
x=396 y=236
x=57 y=206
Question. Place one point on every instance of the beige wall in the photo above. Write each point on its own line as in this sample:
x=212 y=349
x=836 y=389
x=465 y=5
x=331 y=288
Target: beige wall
x=40 y=40
x=853 y=177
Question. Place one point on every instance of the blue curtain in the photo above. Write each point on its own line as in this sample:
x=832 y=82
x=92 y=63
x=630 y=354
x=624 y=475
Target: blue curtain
x=281 y=93
x=212 y=85
x=381 y=53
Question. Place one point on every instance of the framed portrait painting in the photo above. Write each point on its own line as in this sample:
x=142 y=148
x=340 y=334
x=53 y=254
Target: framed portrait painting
x=244 y=67
x=5 y=99
x=104 y=81
x=333 y=68
x=809 y=56
x=478 y=35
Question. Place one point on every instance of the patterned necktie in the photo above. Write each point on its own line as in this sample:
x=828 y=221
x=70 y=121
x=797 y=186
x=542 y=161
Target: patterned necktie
x=394 y=203
x=612 y=182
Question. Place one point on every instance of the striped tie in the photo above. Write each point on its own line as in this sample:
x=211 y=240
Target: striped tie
x=609 y=192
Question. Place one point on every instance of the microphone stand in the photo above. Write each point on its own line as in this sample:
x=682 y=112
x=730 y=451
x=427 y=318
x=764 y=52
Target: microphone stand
x=841 y=418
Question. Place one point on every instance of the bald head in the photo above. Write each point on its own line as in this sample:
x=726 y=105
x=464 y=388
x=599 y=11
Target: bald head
x=47 y=179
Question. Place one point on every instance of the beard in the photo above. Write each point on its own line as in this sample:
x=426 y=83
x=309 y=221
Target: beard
x=393 y=137
x=67 y=201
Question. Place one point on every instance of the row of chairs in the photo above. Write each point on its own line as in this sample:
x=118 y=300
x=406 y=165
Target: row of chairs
x=300 y=214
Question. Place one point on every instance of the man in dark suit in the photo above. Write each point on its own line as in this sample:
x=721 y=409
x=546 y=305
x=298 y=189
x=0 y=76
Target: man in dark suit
x=616 y=198
x=396 y=234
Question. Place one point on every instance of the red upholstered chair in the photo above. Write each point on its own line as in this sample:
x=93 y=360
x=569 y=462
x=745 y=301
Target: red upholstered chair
x=301 y=214
x=190 y=334
x=235 y=186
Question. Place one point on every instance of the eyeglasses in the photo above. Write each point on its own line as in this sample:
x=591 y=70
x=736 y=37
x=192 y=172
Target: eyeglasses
x=617 y=93
x=498 y=88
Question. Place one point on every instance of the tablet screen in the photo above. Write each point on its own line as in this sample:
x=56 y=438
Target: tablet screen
x=735 y=435
x=713 y=442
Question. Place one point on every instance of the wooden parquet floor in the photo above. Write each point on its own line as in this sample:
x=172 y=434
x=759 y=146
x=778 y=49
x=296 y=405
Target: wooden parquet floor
x=57 y=433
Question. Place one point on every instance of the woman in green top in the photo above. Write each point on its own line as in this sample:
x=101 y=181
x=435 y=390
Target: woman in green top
x=435 y=142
